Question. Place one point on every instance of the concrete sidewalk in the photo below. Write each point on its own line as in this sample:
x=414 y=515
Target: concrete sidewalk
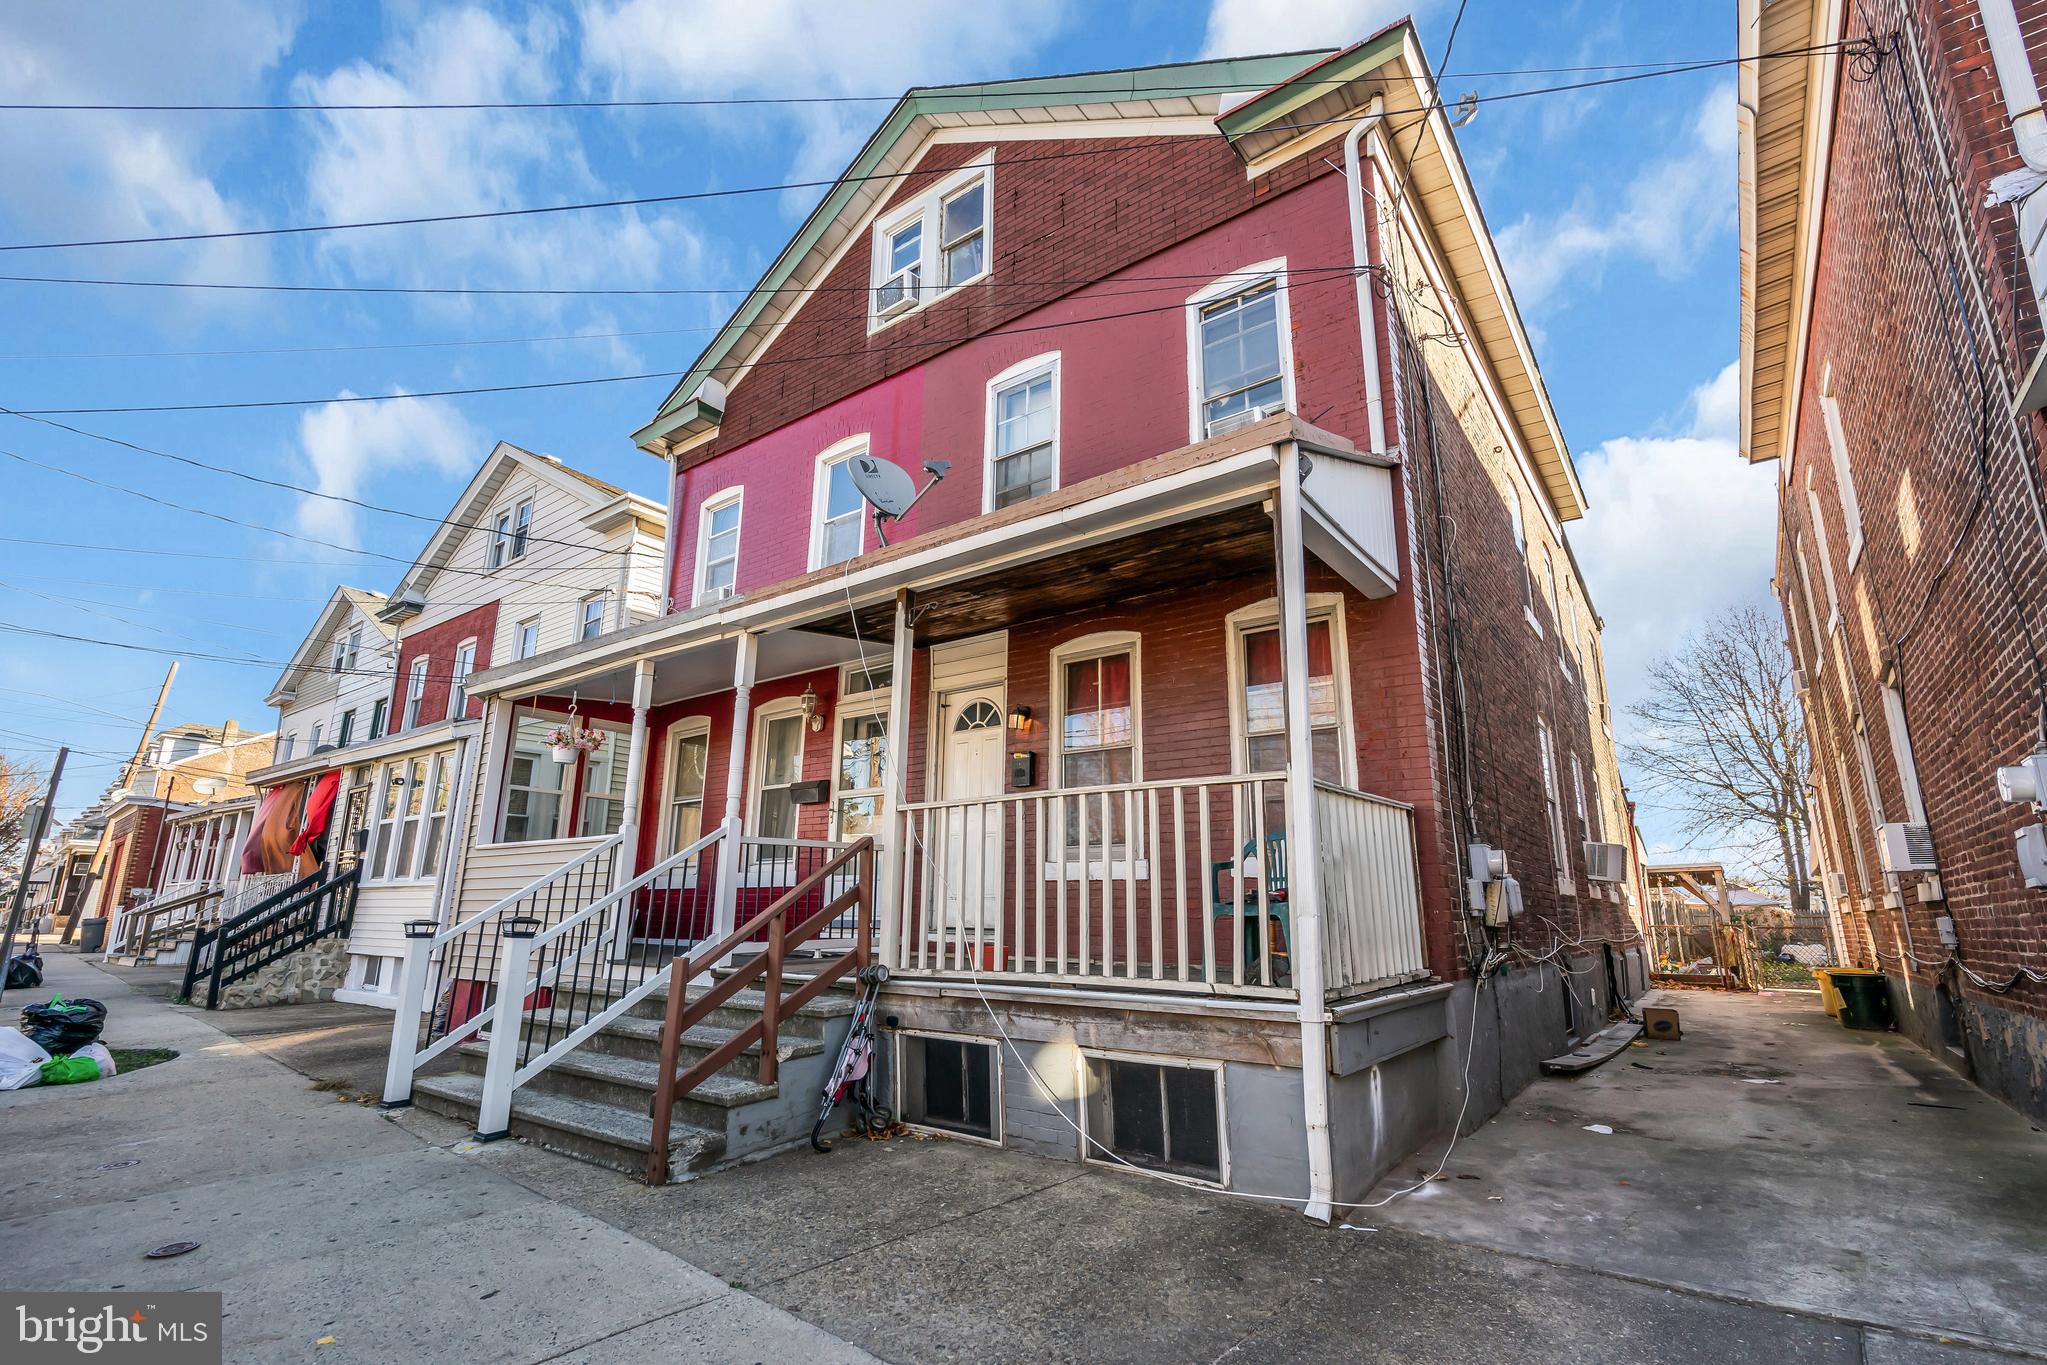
x=318 y=1218
x=1770 y=1156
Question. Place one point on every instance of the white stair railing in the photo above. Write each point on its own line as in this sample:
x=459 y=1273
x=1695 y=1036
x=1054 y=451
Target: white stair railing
x=573 y=982
x=447 y=990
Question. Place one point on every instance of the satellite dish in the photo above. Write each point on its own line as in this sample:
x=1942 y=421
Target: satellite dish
x=885 y=486
x=210 y=786
x=888 y=489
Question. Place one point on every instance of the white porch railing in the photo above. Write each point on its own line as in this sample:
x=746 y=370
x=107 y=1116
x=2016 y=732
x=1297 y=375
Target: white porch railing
x=447 y=990
x=1165 y=885
x=1371 y=889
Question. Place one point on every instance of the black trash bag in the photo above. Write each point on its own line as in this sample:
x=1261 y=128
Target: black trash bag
x=25 y=970
x=63 y=1026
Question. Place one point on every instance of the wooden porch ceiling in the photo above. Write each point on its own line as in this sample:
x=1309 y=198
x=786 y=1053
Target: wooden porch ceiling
x=1208 y=549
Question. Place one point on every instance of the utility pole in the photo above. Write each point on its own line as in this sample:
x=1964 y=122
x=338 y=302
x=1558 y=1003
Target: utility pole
x=39 y=827
x=99 y=852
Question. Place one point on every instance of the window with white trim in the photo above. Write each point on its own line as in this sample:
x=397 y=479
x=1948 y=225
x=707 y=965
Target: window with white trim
x=857 y=781
x=415 y=693
x=379 y=709
x=522 y=526
x=411 y=820
x=347 y=649
x=838 y=530
x=436 y=815
x=285 y=746
x=1260 y=714
x=526 y=638
x=1096 y=682
x=317 y=731
x=345 y=731
x=1844 y=474
x=603 y=784
x=1238 y=350
x=1812 y=611
x=1514 y=516
x=778 y=767
x=500 y=539
x=1825 y=555
x=458 y=683
x=718 y=546
x=1578 y=797
x=535 y=785
x=689 y=760
x=594 y=609
x=1023 y=433
x=934 y=244
x=1553 y=808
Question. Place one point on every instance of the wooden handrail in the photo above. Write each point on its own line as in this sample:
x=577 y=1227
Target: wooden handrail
x=683 y=1013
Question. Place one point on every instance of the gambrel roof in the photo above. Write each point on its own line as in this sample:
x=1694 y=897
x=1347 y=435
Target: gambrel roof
x=1270 y=108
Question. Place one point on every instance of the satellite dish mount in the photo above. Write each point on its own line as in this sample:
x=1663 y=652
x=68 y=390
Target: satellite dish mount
x=888 y=489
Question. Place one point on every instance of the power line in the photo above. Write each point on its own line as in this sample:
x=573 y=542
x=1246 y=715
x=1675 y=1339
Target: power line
x=336 y=350
x=244 y=661
x=1128 y=147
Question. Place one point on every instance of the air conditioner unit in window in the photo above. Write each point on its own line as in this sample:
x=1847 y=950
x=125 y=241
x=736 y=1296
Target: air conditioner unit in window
x=1906 y=848
x=1836 y=884
x=1222 y=426
x=717 y=594
x=1799 y=682
x=1606 y=862
x=896 y=293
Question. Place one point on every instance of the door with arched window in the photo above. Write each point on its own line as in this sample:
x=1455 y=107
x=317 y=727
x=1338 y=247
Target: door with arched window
x=970 y=767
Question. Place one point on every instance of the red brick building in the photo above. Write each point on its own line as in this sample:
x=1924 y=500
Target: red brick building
x=1890 y=362
x=1242 y=609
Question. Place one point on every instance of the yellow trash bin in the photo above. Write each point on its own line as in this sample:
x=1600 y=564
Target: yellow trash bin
x=1829 y=997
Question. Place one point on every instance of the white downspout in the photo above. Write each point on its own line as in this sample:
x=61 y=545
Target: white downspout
x=1361 y=261
x=2015 y=79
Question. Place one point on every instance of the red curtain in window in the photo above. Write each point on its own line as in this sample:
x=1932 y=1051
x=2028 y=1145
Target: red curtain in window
x=1321 y=657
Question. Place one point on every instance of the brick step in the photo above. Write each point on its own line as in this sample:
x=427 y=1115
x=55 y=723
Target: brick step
x=602 y=1134
x=628 y=1083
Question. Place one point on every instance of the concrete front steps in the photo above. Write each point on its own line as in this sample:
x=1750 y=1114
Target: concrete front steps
x=595 y=1102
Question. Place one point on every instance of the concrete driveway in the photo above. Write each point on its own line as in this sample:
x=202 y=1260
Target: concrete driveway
x=1772 y=1157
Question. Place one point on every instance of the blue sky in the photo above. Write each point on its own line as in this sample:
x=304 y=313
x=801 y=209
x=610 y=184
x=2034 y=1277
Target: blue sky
x=1614 y=209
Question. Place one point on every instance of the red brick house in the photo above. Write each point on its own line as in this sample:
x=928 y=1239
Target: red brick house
x=1173 y=709
x=1891 y=365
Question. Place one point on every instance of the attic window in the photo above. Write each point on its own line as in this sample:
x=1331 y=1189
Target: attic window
x=934 y=244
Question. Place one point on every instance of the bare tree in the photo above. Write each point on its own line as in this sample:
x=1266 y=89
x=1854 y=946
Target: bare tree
x=1720 y=744
x=19 y=785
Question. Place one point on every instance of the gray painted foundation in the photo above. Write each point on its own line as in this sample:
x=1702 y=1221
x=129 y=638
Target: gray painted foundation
x=2001 y=1050
x=1397 y=1065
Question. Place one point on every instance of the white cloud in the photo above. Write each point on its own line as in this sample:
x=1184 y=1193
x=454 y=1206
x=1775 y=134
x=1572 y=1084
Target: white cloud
x=1664 y=216
x=369 y=165
x=348 y=445
x=712 y=48
x=90 y=174
x=1680 y=528
x=1246 y=28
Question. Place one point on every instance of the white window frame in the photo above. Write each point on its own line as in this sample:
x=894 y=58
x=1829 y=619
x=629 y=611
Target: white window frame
x=1238 y=282
x=1553 y=802
x=522 y=527
x=1088 y=1150
x=718 y=502
x=1901 y=754
x=1068 y=864
x=1844 y=474
x=520 y=634
x=415 y=691
x=319 y=728
x=499 y=551
x=347 y=650
x=872 y=705
x=1023 y=372
x=1823 y=551
x=1261 y=616
x=1519 y=521
x=998 y=1109
x=680 y=729
x=757 y=754
x=433 y=770
x=829 y=459
x=458 y=680
x=285 y=747
x=601 y=601
x=925 y=210
x=1812 y=610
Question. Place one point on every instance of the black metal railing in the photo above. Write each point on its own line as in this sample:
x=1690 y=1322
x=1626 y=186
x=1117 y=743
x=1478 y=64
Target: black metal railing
x=303 y=914
x=206 y=941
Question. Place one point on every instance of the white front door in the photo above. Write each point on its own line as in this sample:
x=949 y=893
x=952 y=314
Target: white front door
x=970 y=766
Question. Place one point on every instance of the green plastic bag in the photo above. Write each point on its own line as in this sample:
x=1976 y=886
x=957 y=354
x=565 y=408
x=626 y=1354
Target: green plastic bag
x=70 y=1070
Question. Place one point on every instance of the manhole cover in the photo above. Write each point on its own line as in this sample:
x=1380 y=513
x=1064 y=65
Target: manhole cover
x=117 y=1165
x=170 y=1249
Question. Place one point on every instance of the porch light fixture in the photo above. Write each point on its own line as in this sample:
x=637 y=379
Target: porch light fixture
x=811 y=717
x=1020 y=718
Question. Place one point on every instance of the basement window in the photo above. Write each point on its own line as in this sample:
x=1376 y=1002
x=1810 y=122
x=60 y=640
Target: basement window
x=1162 y=1115
x=950 y=1084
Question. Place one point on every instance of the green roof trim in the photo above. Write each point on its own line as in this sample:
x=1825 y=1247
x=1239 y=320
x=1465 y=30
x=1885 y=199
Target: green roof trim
x=1302 y=88
x=1176 y=80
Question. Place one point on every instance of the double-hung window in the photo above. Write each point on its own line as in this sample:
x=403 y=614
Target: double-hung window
x=458 y=683
x=718 y=547
x=526 y=638
x=1844 y=472
x=838 y=529
x=933 y=244
x=1264 y=701
x=534 y=783
x=863 y=759
x=594 y=608
x=1097 y=737
x=317 y=729
x=1520 y=526
x=347 y=650
x=1239 y=345
x=778 y=769
x=285 y=746
x=500 y=539
x=603 y=786
x=378 y=709
x=689 y=766
x=415 y=691
x=1023 y=432
x=1553 y=808
x=345 y=731
x=522 y=527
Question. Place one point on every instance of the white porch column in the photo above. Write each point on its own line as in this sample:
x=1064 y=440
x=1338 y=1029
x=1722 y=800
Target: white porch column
x=896 y=845
x=1304 y=863
x=628 y=864
x=456 y=841
x=508 y=1022
x=745 y=659
x=497 y=760
x=419 y=943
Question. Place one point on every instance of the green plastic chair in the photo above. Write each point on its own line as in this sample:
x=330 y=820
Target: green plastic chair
x=1272 y=886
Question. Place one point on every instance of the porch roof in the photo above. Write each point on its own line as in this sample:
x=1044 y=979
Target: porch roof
x=369 y=751
x=1030 y=548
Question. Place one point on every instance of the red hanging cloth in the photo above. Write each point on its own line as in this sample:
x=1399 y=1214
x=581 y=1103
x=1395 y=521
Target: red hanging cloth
x=319 y=809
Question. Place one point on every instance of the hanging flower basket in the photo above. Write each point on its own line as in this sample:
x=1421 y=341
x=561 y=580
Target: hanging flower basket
x=568 y=744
